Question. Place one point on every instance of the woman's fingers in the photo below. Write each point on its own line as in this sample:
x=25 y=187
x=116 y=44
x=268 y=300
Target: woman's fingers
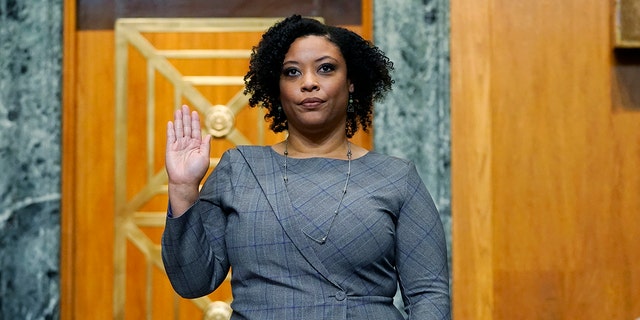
x=171 y=133
x=186 y=121
x=177 y=122
x=186 y=124
x=195 y=125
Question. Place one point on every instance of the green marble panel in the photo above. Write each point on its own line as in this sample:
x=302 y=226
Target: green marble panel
x=30 y=109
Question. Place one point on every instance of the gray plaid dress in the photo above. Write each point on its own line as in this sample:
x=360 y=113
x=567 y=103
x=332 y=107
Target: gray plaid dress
x=387 y=232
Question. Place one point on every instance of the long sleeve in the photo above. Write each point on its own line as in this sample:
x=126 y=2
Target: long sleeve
x=193 y=245
x=421 y=254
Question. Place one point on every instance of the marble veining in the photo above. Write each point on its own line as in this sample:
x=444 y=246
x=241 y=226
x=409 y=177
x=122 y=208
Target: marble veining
x=30 y=110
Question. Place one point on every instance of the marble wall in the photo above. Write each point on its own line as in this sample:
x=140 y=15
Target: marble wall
x=413 y=122
x=30 y=88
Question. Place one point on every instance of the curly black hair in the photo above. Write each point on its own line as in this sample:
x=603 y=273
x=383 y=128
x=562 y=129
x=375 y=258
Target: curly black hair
x=367 y=67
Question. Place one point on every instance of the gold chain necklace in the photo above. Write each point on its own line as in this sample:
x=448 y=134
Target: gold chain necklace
x=344 y=190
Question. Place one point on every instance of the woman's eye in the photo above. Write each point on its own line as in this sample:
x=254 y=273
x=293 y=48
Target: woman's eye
x=290 y=72
x=327 y=67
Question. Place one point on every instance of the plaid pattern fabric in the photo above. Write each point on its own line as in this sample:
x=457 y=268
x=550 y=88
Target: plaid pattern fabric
x=387 y=232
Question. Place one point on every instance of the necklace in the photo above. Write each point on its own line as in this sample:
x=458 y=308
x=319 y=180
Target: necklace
x=344 y=190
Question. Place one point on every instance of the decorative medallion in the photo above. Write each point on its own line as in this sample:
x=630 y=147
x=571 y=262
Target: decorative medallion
x=219 y=120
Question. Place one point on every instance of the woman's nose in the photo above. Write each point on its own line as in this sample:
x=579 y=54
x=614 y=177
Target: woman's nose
x=309 y=83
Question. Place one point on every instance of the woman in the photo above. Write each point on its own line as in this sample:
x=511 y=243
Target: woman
x=313 y=227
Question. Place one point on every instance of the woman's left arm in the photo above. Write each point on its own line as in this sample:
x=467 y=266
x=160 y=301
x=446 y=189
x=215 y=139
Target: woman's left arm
x=421 y=254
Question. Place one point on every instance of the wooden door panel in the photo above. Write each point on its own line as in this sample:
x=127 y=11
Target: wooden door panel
x=93 y=181
x=545 y=180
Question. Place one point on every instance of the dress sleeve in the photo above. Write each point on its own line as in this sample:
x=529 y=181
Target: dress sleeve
x=421 y=254
x=193 y=245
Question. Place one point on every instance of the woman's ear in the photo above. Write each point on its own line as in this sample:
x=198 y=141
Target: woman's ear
x=350 y=87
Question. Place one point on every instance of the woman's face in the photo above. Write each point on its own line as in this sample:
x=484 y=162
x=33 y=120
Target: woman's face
x=314 y=88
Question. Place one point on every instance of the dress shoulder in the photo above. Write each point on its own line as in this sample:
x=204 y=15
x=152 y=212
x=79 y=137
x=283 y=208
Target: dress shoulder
x=390 y=162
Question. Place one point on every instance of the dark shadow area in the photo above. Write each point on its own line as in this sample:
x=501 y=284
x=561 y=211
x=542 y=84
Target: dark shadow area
x=101 y=14
x=626 y=79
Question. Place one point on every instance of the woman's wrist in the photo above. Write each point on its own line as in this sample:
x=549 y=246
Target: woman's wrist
x=182 y=197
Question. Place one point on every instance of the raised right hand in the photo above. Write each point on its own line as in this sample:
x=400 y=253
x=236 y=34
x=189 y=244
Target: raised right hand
x=186 y=157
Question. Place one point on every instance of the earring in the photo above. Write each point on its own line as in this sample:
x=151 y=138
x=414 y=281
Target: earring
x=350 y=107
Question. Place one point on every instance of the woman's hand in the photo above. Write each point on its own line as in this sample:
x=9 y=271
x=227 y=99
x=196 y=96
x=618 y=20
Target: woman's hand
x=186 y=158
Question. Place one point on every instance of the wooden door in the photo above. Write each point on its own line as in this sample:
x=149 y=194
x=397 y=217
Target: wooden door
x=545 y=158
x=121 y=87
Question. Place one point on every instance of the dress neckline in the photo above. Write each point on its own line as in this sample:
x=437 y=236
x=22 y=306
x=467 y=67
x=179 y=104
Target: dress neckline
x=310 y=158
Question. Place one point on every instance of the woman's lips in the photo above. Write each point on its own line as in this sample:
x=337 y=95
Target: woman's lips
x=311 y=102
